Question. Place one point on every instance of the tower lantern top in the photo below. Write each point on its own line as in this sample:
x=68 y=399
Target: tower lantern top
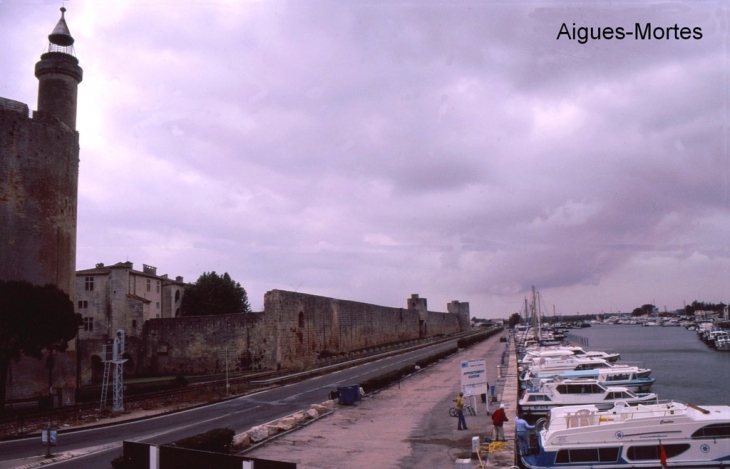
x=60 y=40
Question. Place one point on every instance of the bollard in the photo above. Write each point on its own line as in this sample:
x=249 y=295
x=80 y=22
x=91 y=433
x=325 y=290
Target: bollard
x=474 y=447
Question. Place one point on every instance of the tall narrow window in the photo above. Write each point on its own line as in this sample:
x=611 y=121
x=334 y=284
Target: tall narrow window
x=149 y=285
x=89 y=283
x=88 y=324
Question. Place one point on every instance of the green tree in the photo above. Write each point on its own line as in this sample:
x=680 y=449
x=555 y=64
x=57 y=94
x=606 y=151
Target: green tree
x=214 y=294
x=33 y=319
x=514 y=320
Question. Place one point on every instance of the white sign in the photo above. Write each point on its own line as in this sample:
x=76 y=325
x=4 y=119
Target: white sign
x=53 y=436
x=474 y=376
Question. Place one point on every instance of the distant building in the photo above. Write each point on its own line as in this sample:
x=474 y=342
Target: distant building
x=116 y=297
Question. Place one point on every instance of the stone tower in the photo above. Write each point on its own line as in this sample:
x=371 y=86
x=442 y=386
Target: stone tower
x=39 y=167
x=39 y=171
x=461 y=310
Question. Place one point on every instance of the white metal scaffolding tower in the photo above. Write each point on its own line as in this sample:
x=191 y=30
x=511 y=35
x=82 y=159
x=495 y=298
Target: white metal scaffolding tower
x=113 y=356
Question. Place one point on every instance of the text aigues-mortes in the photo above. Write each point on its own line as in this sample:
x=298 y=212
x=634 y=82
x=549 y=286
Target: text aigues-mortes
x=642 y=32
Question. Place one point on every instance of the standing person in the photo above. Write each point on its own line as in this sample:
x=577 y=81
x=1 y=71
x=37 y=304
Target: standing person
x=460 y=411
x=521 y=427
x=498 y=419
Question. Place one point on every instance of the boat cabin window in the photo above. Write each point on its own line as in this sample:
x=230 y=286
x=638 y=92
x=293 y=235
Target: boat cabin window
x=591 y=366
x=566 y=456
x=579 y=389
x=618 y=377
x=617 y=395
x=537 y=397
x=716 y=430
x=641 y=453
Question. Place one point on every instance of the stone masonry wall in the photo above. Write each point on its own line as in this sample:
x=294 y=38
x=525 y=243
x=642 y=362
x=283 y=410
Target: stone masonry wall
x=39 y=160
x=191 y=345
x=39 y=165
x=309 y=326
x=294 y=330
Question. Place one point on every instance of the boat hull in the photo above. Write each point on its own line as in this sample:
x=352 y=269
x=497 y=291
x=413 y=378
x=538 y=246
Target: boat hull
x=542 y=409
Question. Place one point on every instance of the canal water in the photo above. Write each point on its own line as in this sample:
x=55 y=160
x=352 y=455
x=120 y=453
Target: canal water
x=684 y=367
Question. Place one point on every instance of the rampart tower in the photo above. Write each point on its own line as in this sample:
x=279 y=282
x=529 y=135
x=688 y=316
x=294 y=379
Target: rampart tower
x=461 y=310
x=39 y=171
x=39 y=167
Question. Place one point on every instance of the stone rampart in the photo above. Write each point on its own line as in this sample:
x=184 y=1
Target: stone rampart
x=193 y=345
x=293 y=332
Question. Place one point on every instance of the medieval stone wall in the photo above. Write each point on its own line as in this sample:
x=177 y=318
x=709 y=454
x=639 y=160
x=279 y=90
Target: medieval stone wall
x=192 y=345
x=294 y=331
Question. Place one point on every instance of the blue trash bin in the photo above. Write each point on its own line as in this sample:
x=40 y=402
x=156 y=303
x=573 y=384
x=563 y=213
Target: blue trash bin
x=348 y=394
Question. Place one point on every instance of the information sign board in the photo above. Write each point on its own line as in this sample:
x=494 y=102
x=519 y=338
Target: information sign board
x=474 y=376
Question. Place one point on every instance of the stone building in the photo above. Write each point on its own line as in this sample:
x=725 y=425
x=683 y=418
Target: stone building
x=39 y=169
x=116 y=297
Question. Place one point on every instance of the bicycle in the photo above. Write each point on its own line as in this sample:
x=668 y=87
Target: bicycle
x=467 y=408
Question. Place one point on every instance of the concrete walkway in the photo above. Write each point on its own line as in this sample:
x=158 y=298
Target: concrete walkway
x=406 y=426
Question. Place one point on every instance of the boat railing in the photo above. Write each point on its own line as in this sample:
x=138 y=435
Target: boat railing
x=621 y=412
x=580 y=418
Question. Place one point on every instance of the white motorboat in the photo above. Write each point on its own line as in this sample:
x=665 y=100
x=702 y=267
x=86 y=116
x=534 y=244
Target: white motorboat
x=630 y=377
x=670 y=434
x=557 y=392
x=558 y=365
x=568 y=350
x=722 y=344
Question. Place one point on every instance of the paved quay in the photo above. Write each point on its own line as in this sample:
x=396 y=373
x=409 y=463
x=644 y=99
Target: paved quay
x=406 y=426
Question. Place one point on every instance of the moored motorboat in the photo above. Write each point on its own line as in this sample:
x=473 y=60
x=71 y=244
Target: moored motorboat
x=722 y=344
x=569 y=350
x=556 y=365
x=668 y=434
x=632 y=378
x=557 y=391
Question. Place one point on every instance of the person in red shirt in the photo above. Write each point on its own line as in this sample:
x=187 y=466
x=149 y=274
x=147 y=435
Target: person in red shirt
x=498 y=419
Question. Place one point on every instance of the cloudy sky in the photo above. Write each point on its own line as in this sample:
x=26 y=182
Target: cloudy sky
x=369 y=150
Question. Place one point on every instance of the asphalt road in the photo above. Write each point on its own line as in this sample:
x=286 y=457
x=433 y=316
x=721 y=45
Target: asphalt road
x=94 y=448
